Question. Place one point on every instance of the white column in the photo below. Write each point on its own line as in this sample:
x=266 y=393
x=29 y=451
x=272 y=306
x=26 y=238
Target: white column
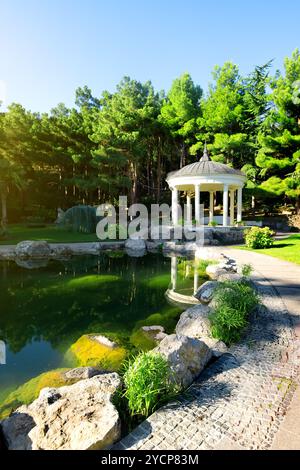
x=173 y=272
x=211 y=206
x=188 y=209
x=174 y=206
x=196 y=279
x=239 y=205
x=225 y=205
x=232 y=192
x=197 y=202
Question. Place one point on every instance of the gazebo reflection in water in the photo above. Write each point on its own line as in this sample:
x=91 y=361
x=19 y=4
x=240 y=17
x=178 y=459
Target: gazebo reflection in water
x=185 y=281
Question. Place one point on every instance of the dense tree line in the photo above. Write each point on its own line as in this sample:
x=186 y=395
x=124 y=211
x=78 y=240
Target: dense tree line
x=125 y=142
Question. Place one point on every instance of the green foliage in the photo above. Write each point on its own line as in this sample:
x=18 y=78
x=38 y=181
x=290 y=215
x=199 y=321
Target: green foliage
x=257 y=237
x=287 y=249
x=279 y=138
x=126 y=141
x=247 y=270
x=234 y=301
x=213 y=223
x=148 y=383
x=80 y=219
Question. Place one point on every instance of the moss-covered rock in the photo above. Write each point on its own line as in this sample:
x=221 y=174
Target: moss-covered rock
x=147 y=337
x=90 y=350
x=167 y=318
x=30 y=390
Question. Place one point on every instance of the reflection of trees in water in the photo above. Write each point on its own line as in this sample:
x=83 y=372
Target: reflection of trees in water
x=110 y=295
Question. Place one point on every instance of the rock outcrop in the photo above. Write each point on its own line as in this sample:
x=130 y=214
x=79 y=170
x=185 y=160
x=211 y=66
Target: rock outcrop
x=75 y=417
x=194 y=322
x=33 y=250
x=187 y=357
x=206 y=291
x=135 y=247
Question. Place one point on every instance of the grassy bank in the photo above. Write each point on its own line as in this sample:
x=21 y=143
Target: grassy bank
x=287 y=249
x=50 y=233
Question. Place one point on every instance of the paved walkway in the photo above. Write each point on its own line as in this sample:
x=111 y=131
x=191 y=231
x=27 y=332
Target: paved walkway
x=285 y=278
x=249 y=398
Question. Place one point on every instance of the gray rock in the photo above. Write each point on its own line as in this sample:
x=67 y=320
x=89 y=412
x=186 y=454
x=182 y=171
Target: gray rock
x=62 y=251
x=33 y=249
x=194 y=322
x=154 y=332
x=81 y=373
x=216 y=346
x=229 y=276
x=16 y=428
x=153 y=245
x=206 y=291
x=215 y=271
x=75 y=417
x=135 y=244
x=187 y=357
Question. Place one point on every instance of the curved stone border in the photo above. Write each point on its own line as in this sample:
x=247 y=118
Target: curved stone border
x=240 y=400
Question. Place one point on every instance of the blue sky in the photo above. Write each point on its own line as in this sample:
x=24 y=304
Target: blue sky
x=50 y=47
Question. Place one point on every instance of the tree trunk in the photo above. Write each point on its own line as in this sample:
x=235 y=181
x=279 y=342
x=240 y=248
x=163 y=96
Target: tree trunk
x=253 y=205
x=158 y=171
x=182 y=155
x=133 y=172
x=4 y=210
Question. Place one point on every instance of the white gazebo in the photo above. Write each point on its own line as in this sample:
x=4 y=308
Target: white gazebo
x=206 y=175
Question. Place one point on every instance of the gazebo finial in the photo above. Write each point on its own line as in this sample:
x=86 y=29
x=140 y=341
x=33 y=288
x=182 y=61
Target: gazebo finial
x=205 y=157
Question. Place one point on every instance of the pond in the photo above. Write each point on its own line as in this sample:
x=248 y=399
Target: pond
x=44 y=311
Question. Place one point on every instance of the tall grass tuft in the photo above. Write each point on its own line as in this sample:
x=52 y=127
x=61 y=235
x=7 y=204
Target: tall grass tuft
x=148 y=383
x=234 y=301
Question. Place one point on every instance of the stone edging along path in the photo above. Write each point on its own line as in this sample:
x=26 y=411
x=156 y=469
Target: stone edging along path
x=240 y=401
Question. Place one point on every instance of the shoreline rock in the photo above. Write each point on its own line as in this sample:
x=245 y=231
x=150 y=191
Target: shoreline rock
x=75 y=417
x=187 y=357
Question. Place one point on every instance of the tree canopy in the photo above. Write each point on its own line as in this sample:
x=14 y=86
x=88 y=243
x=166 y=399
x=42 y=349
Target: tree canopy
x=126 y=141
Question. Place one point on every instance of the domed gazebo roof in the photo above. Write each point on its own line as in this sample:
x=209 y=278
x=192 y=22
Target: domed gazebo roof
x=211 y=175
x=205 y=167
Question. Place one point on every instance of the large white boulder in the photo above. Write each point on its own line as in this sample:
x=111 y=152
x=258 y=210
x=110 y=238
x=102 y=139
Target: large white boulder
x=33 y=249
x=206 y=291
x=214 y=271
x=194 y=322
x=79 y=416
x=187 y=357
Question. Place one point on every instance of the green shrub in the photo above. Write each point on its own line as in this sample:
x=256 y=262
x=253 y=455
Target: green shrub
x=234 y=301
x=213 y=223
x=148 y=383
x=257 y=237
x=247 y=270
x=80 y=219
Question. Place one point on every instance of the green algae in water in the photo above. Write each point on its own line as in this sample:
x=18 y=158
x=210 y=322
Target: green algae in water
x=43 y=312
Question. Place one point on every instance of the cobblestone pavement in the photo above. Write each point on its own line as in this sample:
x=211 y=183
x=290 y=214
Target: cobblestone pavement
x=240 y=400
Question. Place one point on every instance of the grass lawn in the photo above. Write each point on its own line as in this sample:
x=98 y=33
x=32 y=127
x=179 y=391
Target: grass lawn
x=50 y=233
x=287 y=249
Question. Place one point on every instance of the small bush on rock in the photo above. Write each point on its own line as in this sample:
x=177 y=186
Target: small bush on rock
x=234 y=301
x=148 y=383
x=257 y=237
